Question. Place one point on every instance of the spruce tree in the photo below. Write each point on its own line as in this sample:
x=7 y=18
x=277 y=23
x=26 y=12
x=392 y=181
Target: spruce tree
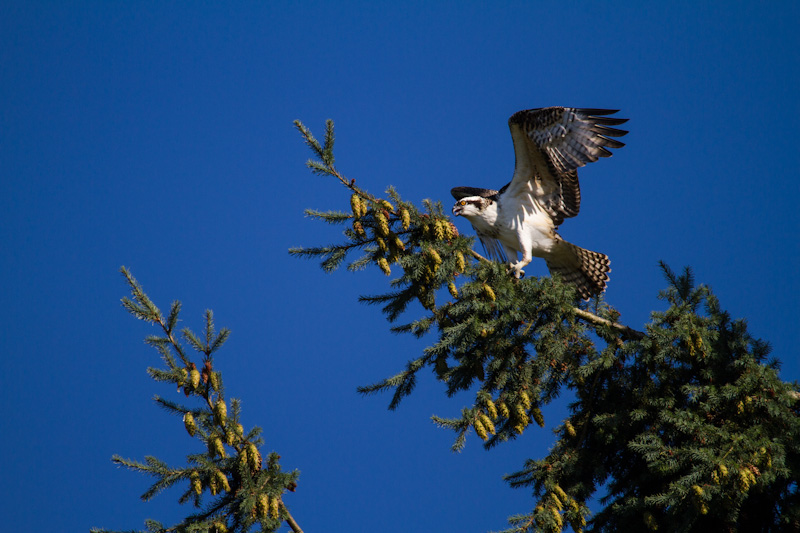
x=232 y=486
x=685 y=426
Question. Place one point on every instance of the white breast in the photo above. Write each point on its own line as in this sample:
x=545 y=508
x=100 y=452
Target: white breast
x=523 y=224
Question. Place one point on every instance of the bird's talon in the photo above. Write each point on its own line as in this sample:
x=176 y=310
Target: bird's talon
x=517 y=273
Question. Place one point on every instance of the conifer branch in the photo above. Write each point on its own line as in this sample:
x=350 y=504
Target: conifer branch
x=242 y=491
x=325 y=153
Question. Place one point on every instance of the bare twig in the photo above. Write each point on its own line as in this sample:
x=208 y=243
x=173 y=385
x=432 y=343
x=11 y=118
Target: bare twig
x=478 y=256
x=600 y=321
x=290 y=520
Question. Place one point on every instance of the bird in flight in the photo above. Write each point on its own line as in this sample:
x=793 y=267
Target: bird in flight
x=550 y=144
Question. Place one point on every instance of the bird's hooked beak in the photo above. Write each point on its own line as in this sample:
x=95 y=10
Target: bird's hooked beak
x=457 y=209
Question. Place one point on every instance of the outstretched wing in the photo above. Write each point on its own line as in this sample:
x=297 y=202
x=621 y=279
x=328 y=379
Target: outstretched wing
x=550 y=144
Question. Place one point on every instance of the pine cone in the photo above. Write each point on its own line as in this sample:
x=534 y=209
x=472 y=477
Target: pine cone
x=355 y=205
x=526 y=399
x=537 y=415
x=405 y=218
x=479 y=429
x=222 y=481
x=194 y=378
x=197 y=485
x=487 y=423
x=558 y=491
x=557 y=517
x=491 y=409
x=216 y=447
x=452 y=232
x=215 y=381
x=461 y=263
x=556 y=501
x=253 y=457
x=262 y=505
x=386 y=205
x=274 y=508
x=381 y=224
x=502 y=408
x=184 y=375
x=188 y=421
x=220 y=411
x=489 y=292
x=439 y=229
x=453 y=290
x=242 y=459
x=384 y=266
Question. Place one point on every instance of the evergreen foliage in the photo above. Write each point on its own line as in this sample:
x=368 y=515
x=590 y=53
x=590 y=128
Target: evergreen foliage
x=684 y=427
x=233 y=489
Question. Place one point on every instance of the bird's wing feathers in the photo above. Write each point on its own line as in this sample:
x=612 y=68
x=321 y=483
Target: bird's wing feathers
x=570 y=137
x=550 y=144
x=492 y=247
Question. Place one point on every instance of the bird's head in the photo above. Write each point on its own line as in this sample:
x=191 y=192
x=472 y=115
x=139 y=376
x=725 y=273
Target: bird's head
x=471 y=206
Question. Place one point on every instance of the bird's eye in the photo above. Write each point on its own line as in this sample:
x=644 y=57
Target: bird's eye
x=462 y=202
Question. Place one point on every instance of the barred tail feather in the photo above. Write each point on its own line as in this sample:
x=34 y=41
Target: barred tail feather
x=585 y=269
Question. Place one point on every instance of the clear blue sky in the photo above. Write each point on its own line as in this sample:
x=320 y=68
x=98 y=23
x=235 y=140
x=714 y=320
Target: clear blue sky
x=159 y=136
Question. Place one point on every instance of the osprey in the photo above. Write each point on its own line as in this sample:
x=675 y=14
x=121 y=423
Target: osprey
x=549 y=144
